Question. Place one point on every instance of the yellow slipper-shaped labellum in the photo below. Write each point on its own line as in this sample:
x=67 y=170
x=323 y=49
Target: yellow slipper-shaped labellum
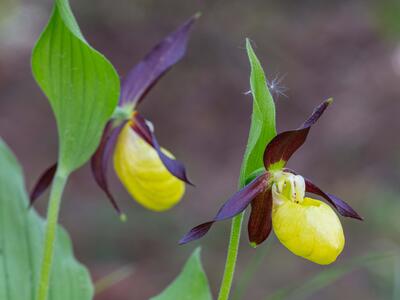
x=143 y=174
x=310 y=229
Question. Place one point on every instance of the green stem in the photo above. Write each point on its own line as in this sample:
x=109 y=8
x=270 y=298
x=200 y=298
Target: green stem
x=231 y=258
x=50 y=235
x=251 y=269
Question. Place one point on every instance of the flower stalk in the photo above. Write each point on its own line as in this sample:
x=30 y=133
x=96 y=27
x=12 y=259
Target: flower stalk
x=57 y=189
x=230 y=264
x=233 y=250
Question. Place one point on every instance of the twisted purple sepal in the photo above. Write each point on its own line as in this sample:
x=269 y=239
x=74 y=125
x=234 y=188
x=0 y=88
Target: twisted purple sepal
x=156 y=63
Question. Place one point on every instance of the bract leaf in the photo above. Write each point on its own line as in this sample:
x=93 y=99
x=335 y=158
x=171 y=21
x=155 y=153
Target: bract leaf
x=262 y=128
x=81 y=85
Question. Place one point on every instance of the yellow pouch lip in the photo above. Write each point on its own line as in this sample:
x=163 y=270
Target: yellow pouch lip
x=310 y=229
x=143 y=174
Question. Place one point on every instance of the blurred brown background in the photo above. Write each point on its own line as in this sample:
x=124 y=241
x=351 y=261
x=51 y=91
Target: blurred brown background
x=349 y=50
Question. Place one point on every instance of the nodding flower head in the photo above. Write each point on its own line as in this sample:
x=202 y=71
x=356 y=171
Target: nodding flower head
x=307 y=227
x=151 y=174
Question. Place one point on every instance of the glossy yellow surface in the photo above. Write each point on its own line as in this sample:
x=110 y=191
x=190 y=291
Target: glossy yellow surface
x=310 y=229
x=143 y=174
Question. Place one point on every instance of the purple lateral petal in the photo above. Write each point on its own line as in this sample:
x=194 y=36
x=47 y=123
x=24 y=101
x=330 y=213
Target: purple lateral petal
x=196 y=233
x=43 y=183
x=174 y=166
x=342 y=207
x=260 y=220
x=100 y=158
x=155 y=64
x=235 y=205
x=282 y=147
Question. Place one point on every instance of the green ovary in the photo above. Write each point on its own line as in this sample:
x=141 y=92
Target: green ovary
x=143 y=174
x=310 y=229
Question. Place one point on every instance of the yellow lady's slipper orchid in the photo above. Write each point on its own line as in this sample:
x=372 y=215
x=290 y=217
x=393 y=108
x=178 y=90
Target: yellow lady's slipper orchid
x=307 y=227
x=150 y=174
x=143 y=174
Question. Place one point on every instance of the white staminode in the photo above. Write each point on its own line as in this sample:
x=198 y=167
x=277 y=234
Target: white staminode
x=150 y=125
x=288 y=186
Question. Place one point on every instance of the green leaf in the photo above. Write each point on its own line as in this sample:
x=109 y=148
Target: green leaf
x=21 y=244
x=308 y=287
x=191 y=284
x=81 y=85
x=262 y=128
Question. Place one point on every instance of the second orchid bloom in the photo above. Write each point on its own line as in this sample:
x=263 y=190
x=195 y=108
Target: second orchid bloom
x=307 y=227
x=151 y=174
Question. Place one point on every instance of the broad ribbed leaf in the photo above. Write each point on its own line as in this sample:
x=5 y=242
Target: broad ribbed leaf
x=81 y=85
x=262 y=128
x=21 y=240
x=191 y=284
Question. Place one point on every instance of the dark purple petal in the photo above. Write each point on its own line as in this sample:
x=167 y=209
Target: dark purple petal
x=235 y=205
x=260 y=220
x=100 y=158
x=155 y=64
x=282 y=146
x=196 y=233
x=342 y=207
x=174 y=166
x=43 y=183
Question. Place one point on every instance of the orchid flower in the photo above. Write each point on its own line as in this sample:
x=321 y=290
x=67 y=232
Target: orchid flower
x=150 y=173
x=307 y=227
